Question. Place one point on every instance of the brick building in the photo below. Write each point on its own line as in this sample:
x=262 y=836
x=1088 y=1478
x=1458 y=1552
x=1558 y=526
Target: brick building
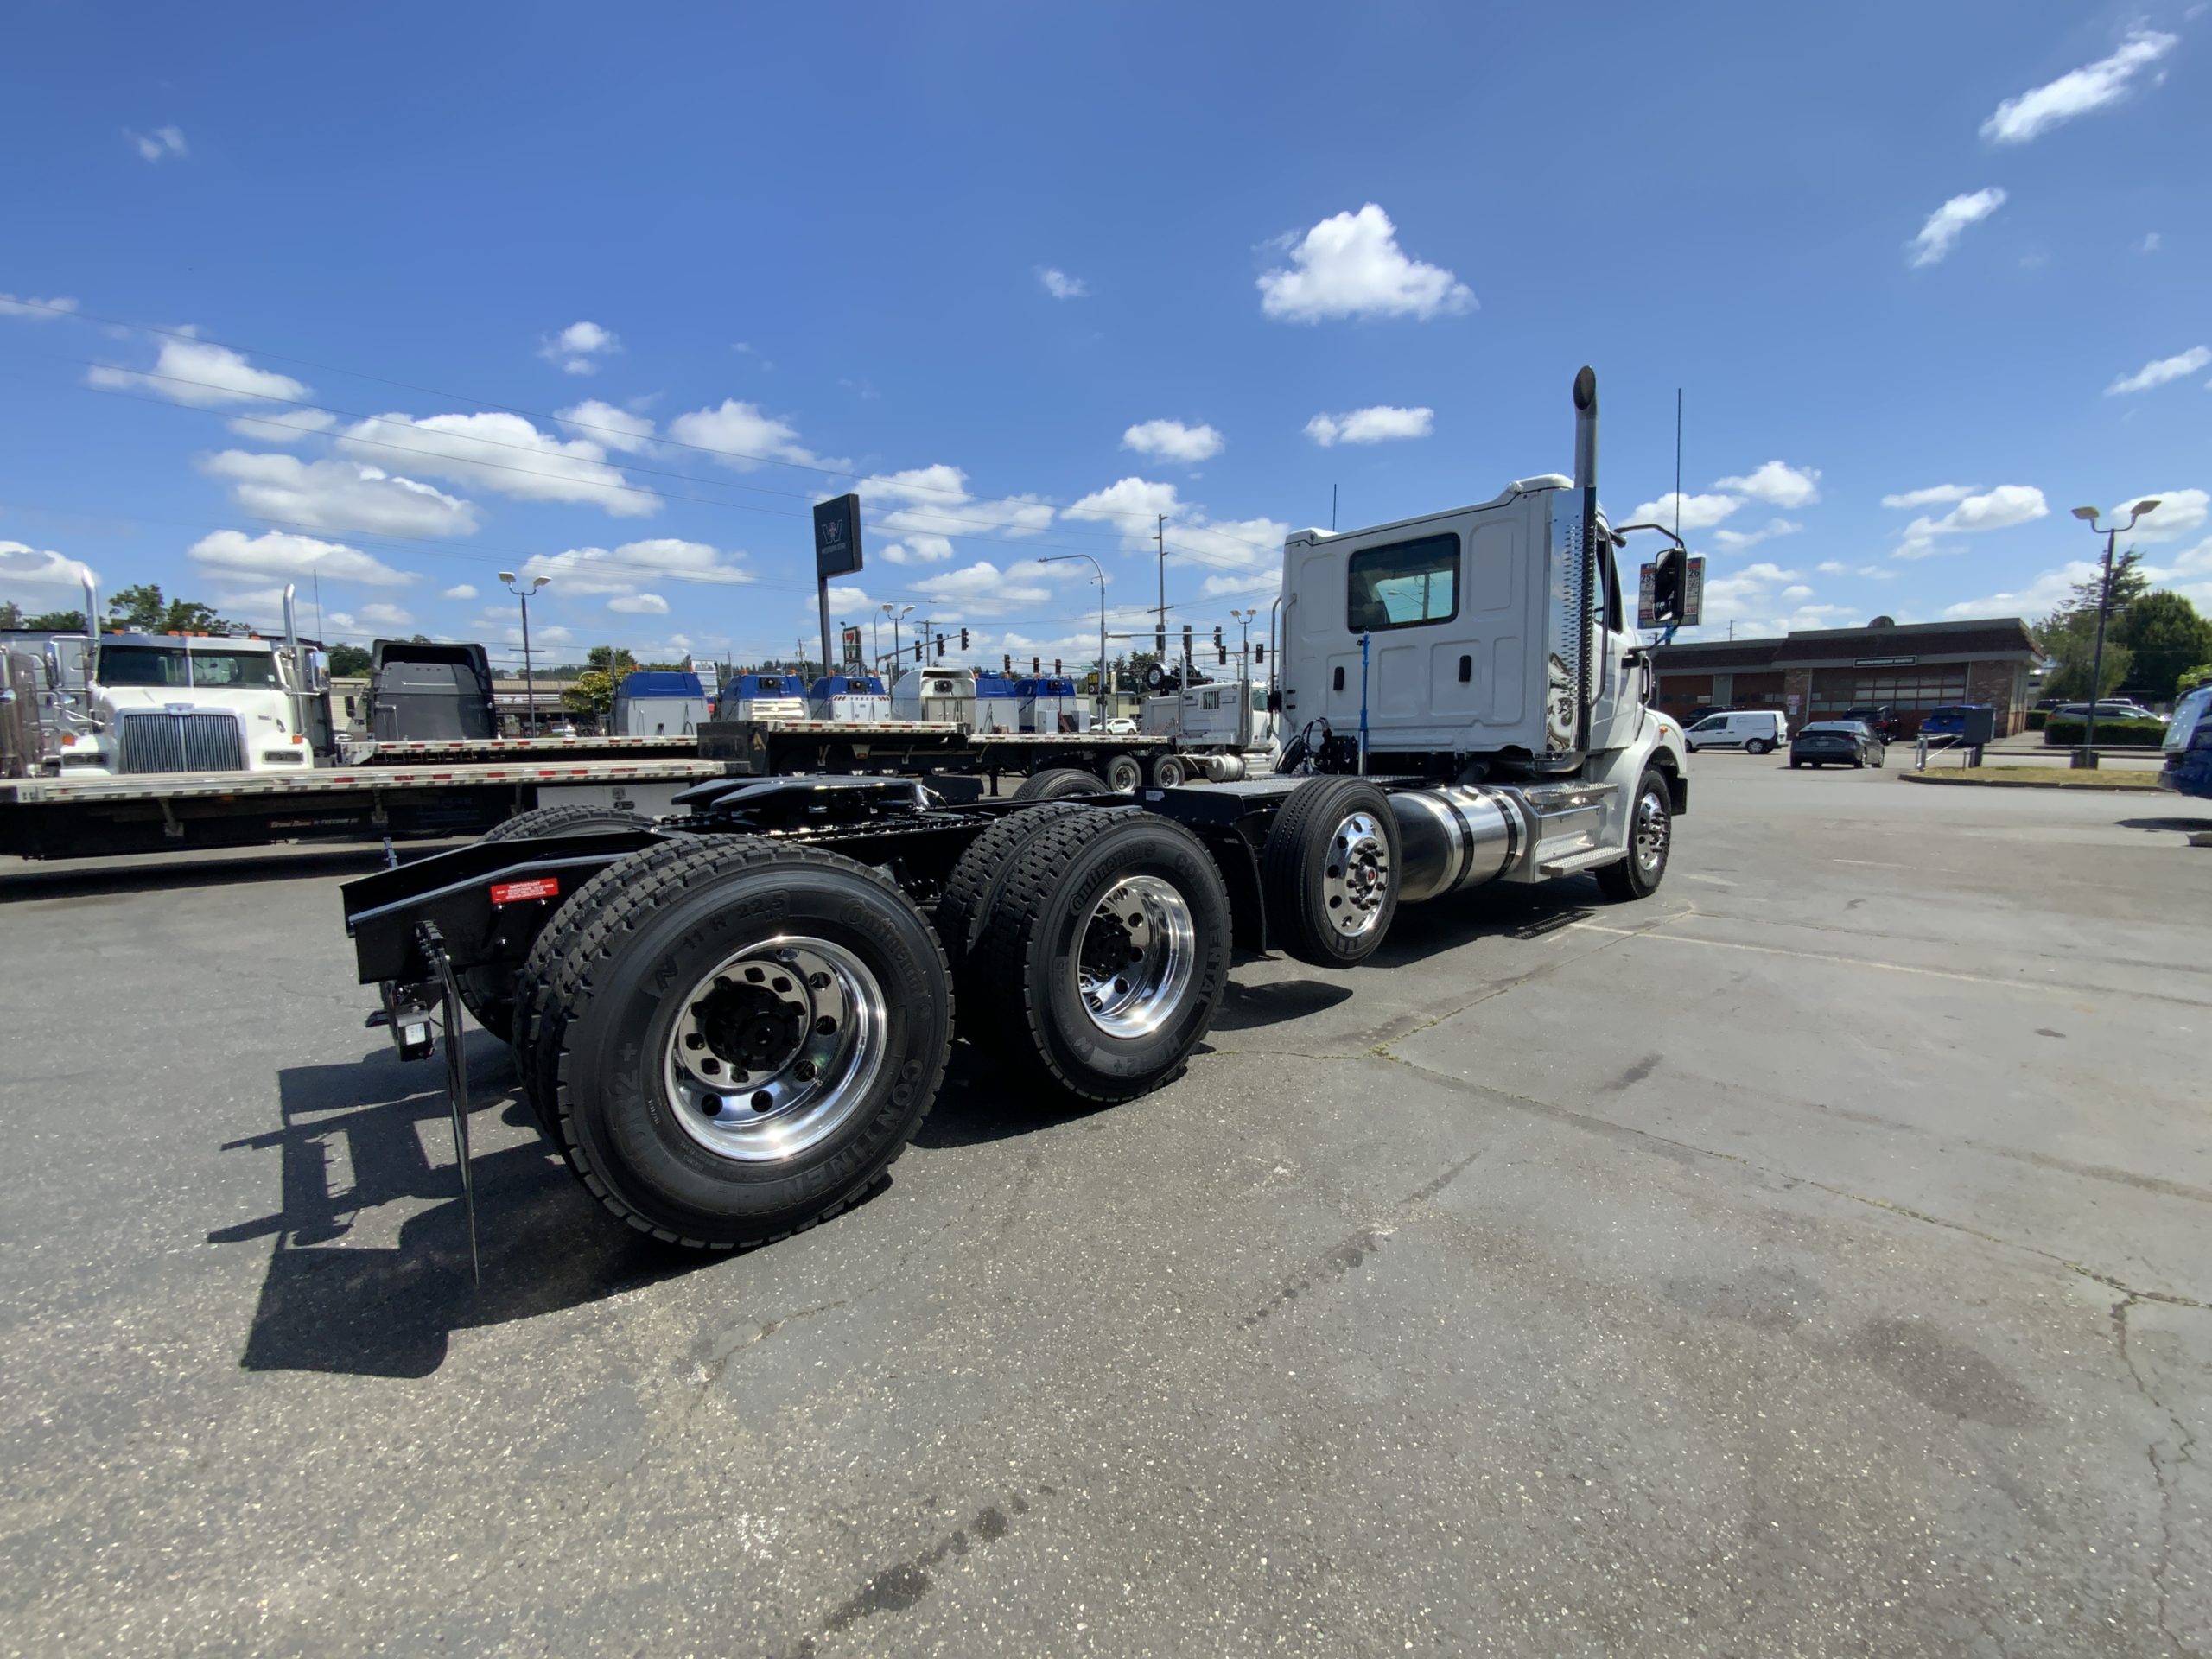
x=1818 y=673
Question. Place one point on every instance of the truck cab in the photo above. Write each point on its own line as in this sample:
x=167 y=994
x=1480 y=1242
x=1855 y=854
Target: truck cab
x=190 y=703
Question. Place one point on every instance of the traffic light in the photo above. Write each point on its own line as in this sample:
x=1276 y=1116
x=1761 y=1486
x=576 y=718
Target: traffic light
x=1259 y=653
x=963 y=638
x=940 y=648
x=1217 y=639
x=1056 y=669
x=1222 y=653
x=1186 y=642
x=1036 y=667
x=1008 y=658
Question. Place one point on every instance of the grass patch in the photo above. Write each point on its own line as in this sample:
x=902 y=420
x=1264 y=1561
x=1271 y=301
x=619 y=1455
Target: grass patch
x=2036 y=777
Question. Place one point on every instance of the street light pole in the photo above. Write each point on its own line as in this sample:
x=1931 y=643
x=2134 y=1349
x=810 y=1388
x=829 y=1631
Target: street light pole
x=896 y=618
x=529 y=677
x=1062 y=558
x=2111 y=533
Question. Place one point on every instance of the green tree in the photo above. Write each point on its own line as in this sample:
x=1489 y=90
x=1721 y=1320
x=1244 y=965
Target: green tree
x=56 y=622
x=11 y=614
x=2165 y=635
x=144 y=608
x=2189 y=678
x=591 y=692
x=2069 y=639
x=610 y=660
x=348 y=662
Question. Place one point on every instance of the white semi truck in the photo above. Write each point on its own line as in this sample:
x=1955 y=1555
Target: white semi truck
x=730 y=1021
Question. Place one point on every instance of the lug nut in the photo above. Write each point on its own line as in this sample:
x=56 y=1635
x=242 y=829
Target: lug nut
x=824 y=1025
x=804 y=1071
x=763 y=1101
x=819 y=982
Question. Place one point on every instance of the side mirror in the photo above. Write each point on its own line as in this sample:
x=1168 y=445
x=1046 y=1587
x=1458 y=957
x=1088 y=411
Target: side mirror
x=1667 y=587
x=1274 y=702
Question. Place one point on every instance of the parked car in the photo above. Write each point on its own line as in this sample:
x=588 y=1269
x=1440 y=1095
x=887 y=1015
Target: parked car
x=1755 y=731
x=1880 y=718
x=2110 y=709
x=1838 y=742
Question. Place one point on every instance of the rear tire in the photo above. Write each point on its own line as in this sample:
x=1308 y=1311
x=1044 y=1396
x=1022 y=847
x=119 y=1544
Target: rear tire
x=1330 y=870
x=1650 y=839
x=1758 y=746
x=1167 y=772
x=1105 y=953
x=489 y=993
x=1124 y=773
x=971 y=891
x=744 y=1039
x=1059 y=784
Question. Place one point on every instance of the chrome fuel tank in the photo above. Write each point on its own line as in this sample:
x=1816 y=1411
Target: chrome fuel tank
x=1452 y=837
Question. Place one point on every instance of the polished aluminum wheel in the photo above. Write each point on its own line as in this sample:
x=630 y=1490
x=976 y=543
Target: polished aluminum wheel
x=1135 y=955
x=776 y=1049
x=1653 y=825
x=1356 y=877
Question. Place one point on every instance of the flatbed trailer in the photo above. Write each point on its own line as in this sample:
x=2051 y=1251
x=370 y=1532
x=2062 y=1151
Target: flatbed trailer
x=778 y=748
x=408 y=751
x=151 y=812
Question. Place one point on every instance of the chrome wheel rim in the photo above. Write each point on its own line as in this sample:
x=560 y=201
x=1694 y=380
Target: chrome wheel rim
x=1135 y=955
x=776 y=1049
x=1652 y=828
x=1356 y=878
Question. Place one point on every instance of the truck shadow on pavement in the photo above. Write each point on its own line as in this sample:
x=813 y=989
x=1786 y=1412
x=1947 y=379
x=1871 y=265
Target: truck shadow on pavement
x=357 y=1138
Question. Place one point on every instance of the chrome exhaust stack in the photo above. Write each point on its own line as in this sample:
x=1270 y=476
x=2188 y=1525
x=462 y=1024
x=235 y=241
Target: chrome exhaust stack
x=92 y=633
x=1586 y=485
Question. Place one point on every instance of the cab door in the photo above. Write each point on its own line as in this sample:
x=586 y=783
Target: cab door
x=1617 y=685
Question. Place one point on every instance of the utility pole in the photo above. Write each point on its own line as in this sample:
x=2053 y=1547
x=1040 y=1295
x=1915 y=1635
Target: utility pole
x=1062 y=558
x=1160 y=541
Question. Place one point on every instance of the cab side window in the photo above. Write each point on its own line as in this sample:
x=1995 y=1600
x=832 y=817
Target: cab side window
x=1403 y=584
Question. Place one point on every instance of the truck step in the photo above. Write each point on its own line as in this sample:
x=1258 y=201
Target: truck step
x=1568 y=863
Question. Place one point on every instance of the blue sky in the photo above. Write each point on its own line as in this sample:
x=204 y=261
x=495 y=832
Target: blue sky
x=451 y=290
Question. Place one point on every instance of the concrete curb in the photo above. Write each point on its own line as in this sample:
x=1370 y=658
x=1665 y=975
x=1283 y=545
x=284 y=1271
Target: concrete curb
x=1954 y=782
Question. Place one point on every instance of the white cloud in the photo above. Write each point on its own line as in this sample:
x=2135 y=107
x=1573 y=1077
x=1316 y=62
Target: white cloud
x=2090 y=87
x=1764 y=571
x=608 y=427
x=639 y=605
x=1947 y=223
x=338 y=495
x=626 y=569
x=1778 y=484
x=463 y=590
x=1934 y=495
x=1350 y=265
x=1173 y=440
x=742 y=437
x=1060 y=285
x=503 y=453
x=1377 y=423
x=159 y=144
x=1735 y=540
x=1130 y=504
x=1698 y=512
x=2149 y=243
x=1999 y=509
x=934 y=505
x=1265 y=583
x=1871 y=572
x=2180 y=512
x=379 y=614
x=280 y=553
x=201 y=373
x=2049 y=590
x=38 y=310
x=578 y=347
x=19 y=562
x=847 y=599
x=2158 y=372
x=983 y=589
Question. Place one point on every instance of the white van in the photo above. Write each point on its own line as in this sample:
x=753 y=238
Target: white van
x=1755 y=731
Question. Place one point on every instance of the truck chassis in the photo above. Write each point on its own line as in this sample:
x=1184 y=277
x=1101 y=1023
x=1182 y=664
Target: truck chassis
x=729 y=1024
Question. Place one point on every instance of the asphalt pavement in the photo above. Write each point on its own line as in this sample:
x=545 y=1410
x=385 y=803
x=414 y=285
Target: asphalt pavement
x=1810 y=1259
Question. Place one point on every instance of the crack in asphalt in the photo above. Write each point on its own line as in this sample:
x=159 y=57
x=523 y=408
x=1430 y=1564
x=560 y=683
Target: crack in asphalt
x=2185 y=1443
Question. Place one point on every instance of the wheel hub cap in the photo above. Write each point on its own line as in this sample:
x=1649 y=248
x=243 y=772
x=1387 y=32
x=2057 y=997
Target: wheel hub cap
x=776 y=1049
x=1652 y=828
x=1356 y=877
x=1135 y=955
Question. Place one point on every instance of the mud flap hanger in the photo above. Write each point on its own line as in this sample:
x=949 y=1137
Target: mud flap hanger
x=416 y=1015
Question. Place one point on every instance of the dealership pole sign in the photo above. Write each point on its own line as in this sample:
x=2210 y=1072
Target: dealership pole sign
x=836 y=553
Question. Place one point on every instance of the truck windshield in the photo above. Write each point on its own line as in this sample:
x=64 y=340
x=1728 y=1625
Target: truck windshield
x=234 y=668
x=1403 y=584
x=142 y=665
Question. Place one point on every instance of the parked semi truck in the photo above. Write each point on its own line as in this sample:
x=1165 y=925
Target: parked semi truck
x=728 y=1022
